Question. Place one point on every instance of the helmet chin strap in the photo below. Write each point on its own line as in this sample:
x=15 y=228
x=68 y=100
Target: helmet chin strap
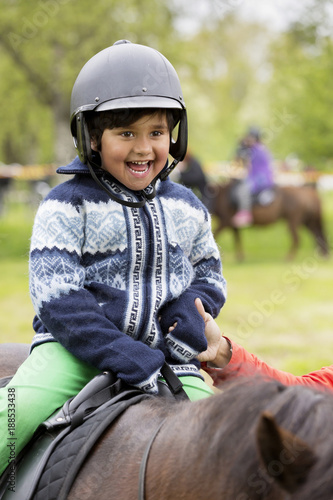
x=92 y=163
x=145 y=196
x=103 y=185
x=162 y=176
x=167 y=170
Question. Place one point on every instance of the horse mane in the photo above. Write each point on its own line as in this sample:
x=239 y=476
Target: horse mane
x=233 y=418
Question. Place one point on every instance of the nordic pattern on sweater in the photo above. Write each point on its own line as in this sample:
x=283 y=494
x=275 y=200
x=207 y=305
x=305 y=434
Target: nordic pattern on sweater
x=99 y=269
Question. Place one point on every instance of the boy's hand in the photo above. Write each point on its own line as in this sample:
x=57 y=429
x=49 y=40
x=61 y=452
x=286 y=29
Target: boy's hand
x=183 y=328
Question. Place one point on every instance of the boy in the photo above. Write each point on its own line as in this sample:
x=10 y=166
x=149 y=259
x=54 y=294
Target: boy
x=119 y=253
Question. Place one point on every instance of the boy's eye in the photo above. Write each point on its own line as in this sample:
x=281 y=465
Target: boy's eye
x=127 y=134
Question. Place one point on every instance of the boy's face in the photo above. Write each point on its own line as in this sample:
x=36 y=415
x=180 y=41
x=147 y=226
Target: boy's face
x=135 y=154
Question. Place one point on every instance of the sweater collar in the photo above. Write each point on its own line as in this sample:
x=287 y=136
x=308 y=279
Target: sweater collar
x=77 y=167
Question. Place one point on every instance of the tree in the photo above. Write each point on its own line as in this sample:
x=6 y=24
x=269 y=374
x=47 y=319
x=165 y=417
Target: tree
x=302 y=61
x=228 y=78
x=219 y=70
x=43 y=45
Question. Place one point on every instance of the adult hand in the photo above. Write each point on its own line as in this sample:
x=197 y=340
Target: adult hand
x=212 y=332
x=218 y=352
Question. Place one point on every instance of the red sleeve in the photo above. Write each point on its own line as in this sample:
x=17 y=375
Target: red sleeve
x=242 y=363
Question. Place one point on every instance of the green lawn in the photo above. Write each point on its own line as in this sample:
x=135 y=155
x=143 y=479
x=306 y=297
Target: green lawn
x=16 y=311
x=280 y=311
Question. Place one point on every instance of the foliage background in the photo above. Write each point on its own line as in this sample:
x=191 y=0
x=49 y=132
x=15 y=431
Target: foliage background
x=234 y=72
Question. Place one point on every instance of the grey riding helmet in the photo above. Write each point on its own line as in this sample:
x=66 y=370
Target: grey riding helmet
x=127 y=75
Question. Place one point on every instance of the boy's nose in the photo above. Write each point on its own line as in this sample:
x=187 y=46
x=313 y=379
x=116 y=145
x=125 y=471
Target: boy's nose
x=142 y=146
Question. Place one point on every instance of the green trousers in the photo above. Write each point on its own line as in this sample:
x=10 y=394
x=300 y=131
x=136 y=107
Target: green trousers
x=42 y=384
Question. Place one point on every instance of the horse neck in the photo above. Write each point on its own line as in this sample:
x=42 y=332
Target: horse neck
x=189 y=453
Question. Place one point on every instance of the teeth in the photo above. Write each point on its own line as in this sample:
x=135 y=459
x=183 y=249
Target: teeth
x=142 y=164
x=141 y=172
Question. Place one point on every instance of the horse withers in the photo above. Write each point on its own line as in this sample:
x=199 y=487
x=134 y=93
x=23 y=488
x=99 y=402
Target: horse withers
x=297 y=205
x=256 y=440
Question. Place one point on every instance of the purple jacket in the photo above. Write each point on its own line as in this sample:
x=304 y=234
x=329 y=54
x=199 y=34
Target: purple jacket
x=260 y=174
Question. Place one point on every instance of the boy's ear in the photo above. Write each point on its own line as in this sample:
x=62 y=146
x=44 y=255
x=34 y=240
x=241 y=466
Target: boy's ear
x=93 y=144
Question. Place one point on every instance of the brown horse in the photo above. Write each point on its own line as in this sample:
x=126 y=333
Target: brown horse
x=297 y=205
x=254 y=441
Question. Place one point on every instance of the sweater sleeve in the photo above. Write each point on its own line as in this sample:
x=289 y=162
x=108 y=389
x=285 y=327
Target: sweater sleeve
x=69 y=311
x=243 y=363
x=187 y=339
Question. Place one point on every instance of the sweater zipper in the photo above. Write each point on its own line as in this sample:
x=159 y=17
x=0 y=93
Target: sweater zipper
x=149 y=268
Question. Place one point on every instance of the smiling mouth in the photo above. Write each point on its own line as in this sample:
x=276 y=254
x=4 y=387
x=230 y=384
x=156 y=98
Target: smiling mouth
x=139 y=167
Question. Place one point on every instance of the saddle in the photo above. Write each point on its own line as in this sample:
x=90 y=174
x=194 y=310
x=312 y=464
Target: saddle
x=47 y=467
x=263 y=197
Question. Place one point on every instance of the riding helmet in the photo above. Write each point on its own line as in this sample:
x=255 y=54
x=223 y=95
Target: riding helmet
x=126 y=75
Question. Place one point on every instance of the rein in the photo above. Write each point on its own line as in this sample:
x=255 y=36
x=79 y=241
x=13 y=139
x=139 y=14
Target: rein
x=176 y=388
x=144 y=461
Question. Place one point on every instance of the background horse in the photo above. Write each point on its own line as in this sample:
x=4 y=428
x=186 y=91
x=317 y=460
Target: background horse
x=254 y=441
x=297 y=205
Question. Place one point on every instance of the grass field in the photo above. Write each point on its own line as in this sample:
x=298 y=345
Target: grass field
x=280 y=311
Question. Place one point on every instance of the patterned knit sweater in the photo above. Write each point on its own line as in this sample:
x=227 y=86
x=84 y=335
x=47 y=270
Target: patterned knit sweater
x=107 y=280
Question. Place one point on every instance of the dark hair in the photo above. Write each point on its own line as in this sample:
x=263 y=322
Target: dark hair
x=97 y=122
